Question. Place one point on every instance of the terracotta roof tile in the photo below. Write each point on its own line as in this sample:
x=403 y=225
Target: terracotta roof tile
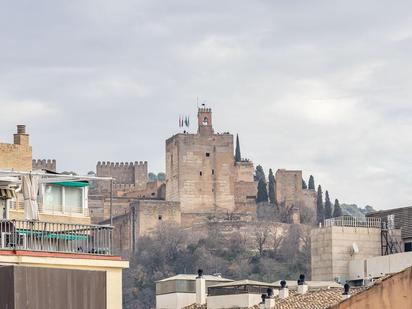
x=313 y=299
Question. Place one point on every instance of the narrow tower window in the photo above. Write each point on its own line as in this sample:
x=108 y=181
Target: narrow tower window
x=205 y=121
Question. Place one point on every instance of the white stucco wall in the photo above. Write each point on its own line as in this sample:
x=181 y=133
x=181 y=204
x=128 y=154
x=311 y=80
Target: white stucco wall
x=233 y=301
x=175 y=300
x=379 y=266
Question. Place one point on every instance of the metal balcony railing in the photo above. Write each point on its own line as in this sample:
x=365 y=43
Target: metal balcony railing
x=55 y=237
x=349 y=221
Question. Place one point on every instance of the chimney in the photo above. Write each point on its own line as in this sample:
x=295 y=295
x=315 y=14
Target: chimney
x=262 y=303
x=21 y=138
x=200 y=288
x=284 y=291
x=21 y=129
x=302 y=286
x=270 y=299
x=346 y=293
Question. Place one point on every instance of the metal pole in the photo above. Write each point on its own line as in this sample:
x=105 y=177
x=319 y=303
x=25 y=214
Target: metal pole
x=111 y=202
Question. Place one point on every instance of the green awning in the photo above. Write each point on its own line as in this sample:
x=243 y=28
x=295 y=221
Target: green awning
x=52 y=235
x=72 y=183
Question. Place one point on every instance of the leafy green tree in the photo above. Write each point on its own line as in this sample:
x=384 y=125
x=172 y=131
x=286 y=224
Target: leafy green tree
x=320 y=215
x=259 y=173
x=328 y=206
x=304 y=185
x=272 y=183
x=262 y=192
x=238 y=156
x=311 y=184
x=337 y=211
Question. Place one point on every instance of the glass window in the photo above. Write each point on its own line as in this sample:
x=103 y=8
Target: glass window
x=73 y=200
x=53 y=198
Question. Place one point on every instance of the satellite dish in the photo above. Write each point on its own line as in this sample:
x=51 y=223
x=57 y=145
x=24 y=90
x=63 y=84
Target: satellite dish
x=354 y=249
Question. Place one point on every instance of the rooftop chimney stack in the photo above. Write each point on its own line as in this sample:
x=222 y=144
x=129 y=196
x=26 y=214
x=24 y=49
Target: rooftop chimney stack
x=284 y=291
x=262 y=303
x=200 y=288
x=346 y=293
x=270 y=299
x=302 y=286
x=21 y=138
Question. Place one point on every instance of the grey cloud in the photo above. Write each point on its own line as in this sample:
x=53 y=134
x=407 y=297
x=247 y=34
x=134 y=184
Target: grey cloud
x=321 y=86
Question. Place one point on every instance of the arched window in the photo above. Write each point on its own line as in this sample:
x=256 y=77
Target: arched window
x=205 y=121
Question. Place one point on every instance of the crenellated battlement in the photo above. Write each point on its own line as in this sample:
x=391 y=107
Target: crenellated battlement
x=121 y=165
x=40 y=164
x=125 y=173
x=204 y=110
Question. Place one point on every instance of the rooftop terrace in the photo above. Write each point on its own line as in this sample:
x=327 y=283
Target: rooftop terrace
x=348 y=221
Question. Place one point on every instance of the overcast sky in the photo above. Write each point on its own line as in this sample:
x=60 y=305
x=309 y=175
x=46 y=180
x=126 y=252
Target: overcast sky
x=322 y=86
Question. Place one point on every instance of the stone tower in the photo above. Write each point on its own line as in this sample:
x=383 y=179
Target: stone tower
x=204 y=121
x=290 y=194
x=17 y=156
x=200 y=170
x=133 y=175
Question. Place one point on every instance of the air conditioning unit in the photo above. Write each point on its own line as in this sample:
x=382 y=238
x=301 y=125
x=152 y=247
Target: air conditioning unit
x=13 y=241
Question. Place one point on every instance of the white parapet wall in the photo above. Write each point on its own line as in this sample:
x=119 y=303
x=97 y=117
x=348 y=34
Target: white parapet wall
x=233 y=301
x=379 y=266
x=175 y=300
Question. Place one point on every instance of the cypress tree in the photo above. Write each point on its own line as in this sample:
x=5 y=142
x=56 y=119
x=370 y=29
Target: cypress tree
x=319 y=206
x=238 y=157
x=272 y=183
x=328 y=206
x=262 y=192
x=304 y=186
x=337 y=211
x=311 y=184
x=259 y=173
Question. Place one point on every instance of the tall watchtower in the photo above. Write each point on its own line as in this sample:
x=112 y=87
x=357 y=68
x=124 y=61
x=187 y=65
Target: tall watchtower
x=204 y=121
x=200 y=170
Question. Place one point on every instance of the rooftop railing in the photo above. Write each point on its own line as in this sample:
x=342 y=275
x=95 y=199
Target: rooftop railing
x=55 y=237
x=349 y=221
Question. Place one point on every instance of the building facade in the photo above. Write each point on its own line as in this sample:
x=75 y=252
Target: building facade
x=201 y=172
x=340 y=241
x=400 y=218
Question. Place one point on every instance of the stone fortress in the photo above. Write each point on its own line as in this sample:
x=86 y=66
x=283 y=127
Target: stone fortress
x=129 y=176
x=201 y=173
x=204 y=183
x=48 y=164
x=19 y=155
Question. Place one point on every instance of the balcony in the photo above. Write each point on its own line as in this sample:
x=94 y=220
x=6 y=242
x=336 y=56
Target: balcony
x=56 y=237
x=348 y=221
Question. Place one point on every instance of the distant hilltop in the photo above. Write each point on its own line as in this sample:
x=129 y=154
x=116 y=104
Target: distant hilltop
x=356 y=211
